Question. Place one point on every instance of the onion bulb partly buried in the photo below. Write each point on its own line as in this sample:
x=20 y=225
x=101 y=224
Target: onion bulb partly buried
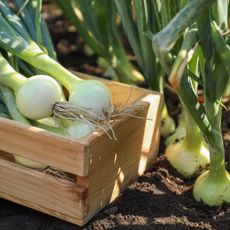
x=188 y=160
x=212 y=190
x=190 y=155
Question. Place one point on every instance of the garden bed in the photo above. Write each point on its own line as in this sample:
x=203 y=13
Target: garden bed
x=160 y=199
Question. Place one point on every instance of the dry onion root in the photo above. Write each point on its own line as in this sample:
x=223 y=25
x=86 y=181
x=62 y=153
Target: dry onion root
x=65 y=111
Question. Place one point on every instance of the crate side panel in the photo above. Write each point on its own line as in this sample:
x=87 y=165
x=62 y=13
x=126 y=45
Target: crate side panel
x=44 y=147
x=45 y=193
x=115 y=165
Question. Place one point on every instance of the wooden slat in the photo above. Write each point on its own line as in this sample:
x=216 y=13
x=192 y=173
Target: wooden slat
x=54 y=196
x=42 y=146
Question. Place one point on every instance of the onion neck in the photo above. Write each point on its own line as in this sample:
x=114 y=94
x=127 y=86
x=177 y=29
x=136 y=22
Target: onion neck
x=193 y=135
x=9 y=77
x=43 y=62
x=215 y=141
x=217 y=156
x=13 y=81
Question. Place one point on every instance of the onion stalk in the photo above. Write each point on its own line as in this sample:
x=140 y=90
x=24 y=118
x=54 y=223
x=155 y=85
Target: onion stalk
x=96 y=21
x=137 y=18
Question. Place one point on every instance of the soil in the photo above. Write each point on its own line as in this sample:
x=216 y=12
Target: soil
x=160 y=199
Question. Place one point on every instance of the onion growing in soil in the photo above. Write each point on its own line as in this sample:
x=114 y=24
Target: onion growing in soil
x=212 y=189
x=190 y=155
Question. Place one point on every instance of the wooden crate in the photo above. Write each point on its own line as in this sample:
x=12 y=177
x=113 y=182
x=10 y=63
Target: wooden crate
x=100 y=168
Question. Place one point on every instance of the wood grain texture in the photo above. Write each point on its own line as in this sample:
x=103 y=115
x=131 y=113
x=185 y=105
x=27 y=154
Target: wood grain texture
x=42 y=192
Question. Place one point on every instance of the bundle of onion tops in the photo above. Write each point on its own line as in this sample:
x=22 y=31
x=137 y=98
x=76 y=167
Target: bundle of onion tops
x=32 y=80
